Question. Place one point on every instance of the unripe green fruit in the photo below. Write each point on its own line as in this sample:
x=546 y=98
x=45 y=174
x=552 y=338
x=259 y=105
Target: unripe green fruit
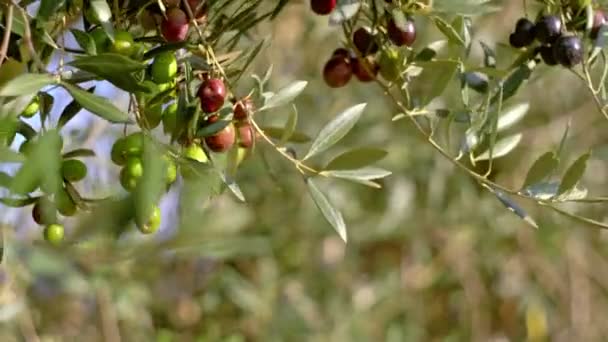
x=389 y=64
x=242 y=154
x=135 y=167
x=131 y=173
x=65 y=205
x=32 y=108
x=164 y=68
x=195 y=152
x=73 y=170
x=131 y=145
x=54 y=234
x=44 y=211
x=123 y=43
x=170 y=171
x=153 y=223
x=170 y=118
x=128 y=182
x=153 y=115
x=101 y=39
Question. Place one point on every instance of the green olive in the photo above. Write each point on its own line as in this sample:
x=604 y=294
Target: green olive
x=73 y=170
x=123 y=43
x=153 y=223
x=54 y=234
x=164 y=68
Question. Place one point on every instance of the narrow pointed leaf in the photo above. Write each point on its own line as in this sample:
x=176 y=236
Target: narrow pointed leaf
x=574 y=174
x=449 y=31
x=85 y=41
x=107 y=63
x=71 y=110
x=290 y=126
x=26 y=84
x=285 y=95
x=331 y=214
x=503 y=147
x=541 y=169
x=511 y=116
x=79 y=153
x=363 y=174
x=336 y=129
x=96 y=104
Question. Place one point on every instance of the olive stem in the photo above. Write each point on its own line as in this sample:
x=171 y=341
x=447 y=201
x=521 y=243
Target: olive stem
x=299 y=164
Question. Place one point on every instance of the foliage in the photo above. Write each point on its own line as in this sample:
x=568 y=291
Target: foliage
x=465 y=97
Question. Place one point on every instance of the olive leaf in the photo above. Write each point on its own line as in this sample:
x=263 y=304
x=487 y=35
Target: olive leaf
x=336 y=130
x=331 y=214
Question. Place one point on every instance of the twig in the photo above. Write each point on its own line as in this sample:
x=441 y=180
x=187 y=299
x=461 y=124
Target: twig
x=7 y=33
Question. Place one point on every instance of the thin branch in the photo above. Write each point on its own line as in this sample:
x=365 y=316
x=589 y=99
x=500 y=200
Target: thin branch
x=7 y=33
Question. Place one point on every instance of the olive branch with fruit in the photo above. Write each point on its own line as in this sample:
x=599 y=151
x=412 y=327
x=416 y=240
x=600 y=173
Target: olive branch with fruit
x=182 y=64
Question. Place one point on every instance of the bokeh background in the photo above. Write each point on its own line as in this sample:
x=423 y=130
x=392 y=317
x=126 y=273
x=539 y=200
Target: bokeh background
x=431 y=256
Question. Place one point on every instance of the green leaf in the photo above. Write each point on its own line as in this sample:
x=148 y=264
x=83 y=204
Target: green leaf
x=46 y=105
x=45 y=151
x=48 y=8
x=511 y=116
x=336 y=130
x=10 y=69
x=574 y=174
x=290 y=126
x=103 y=13
x=151 y=185
x=345 y=10
x=285 y=95
x=97 y=105
x=107 y=63
x=331 y=214
x=362 y=175
x=85 y=41
x=18 y=202
x=278 y=132
x=541 y=169
x=503 y=147
x=449 y=31
x=114 y=68
x=514 y=80
x=489 y=56
x=543 y=191
x=9 y=156
x=213 y=128
x=357 y=158
x=78 y=153
x=434 y=78
x=71 y=110
x=26 y=84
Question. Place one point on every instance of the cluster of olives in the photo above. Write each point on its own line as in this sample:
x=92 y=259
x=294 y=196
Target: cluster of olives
x=47 y=207
x=364 y=63
x=162 y=75
x=558 y=43
x=153 y=108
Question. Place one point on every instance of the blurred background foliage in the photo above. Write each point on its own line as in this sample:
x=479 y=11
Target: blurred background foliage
x=431 y=256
